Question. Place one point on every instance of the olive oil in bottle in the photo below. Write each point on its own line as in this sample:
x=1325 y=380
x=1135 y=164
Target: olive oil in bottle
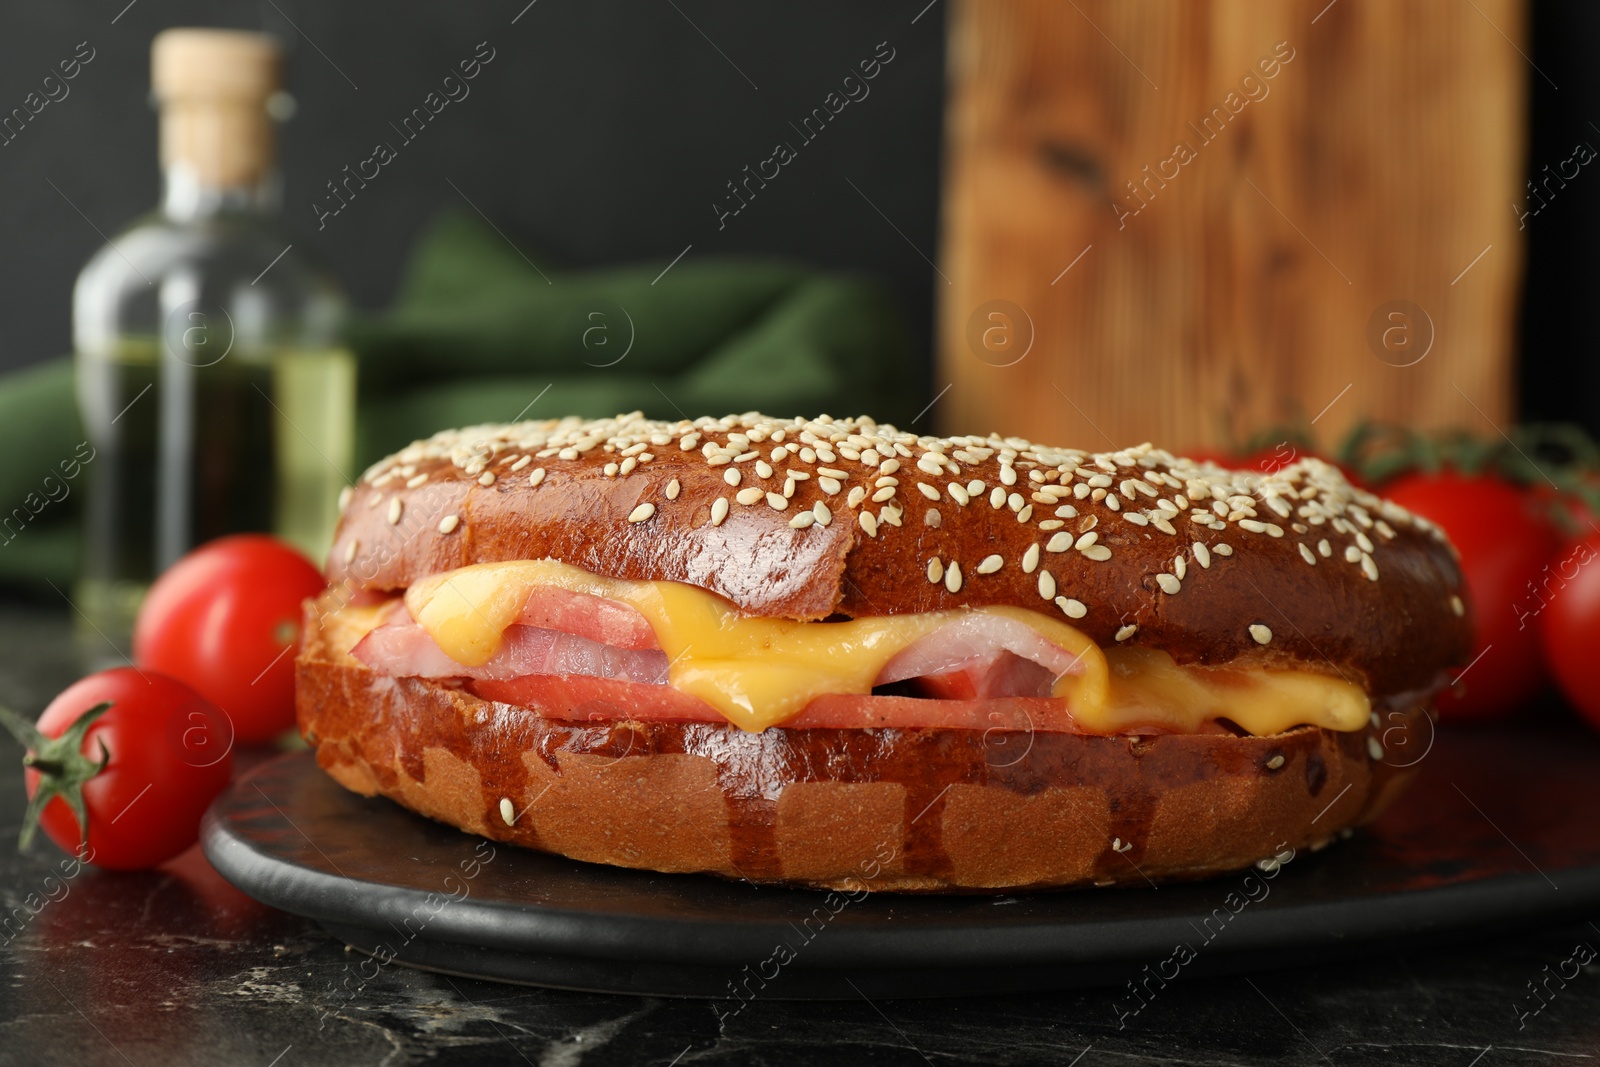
x=209 y=368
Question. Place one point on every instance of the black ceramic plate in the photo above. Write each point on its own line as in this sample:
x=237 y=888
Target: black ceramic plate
x=1496 y=822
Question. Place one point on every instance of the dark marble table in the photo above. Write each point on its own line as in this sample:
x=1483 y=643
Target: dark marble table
x=176 y=967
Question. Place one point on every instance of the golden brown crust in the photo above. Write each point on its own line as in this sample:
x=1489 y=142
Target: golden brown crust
x=902 y=810
x=1296 y=568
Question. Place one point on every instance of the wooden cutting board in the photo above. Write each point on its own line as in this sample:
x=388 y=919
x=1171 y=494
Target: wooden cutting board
x=1188 y=221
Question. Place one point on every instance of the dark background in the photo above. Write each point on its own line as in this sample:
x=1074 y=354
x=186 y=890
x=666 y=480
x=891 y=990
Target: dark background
x=600 y=133
x=603 y=132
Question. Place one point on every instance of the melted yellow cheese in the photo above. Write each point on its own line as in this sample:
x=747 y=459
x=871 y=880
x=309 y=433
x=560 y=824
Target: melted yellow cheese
x=758 y=672
x=1148 y=688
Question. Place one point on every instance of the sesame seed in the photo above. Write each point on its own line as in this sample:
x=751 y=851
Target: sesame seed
x=952 y=577
x=830 y=486
x=1275 y=762
x=1098 y=553
x=673 y=488
x=823 y=513
x=732 y=476
x=1374 y=747
x=1180 y=567
x=932 y=518
x=1051 y=524
x=1169 y=583
x=719 y=510
x=1352 y=554
x=374 y=500
x=930 y=466
x=886 y=493
x=350 y=550
x=567 y=454
x=1261 y=634
x=928 y=491
x=508 y=812
x=519 y=464
x=889 y=514
x=535 y=478
x=1222 y=548
x=1030 y=559
x=344 y=496
x=749 y=496
x=1324 y=549
x=1047 y=585
x=1457 y=606
x=1061 y=542
x=802 y=520
x=1066 y=511
x=449 y=523
x=1008 y=474
x=788 y=487
x=1127 y=631
x=1202 y=554
x=1252 y=525
x=935 y=570
x=777 y=501
x=857 y=495
x=881 y=482
x=1085 y=541
x=395 y=507
x=1369 y=568
x=1137 y=518
x=830 y=472
x=1160 y=523
x=958 y=493
x=991 y=564
x=629 y=463
x=869 y=523
x=1306 y=554
x=1364 y=541
x=975 y=487
x=997 y=498
x=889 y=466
x=642 y=512
x=763 y=469
x=412 y=483
x=610 y=470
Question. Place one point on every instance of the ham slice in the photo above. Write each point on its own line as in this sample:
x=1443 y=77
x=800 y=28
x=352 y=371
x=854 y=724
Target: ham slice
x=982 y=656
x=403 y=649
x=610 y=622
x=579 y=657
x=603 y=700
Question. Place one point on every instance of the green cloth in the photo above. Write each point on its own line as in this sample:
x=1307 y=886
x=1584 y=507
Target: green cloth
x=484 y=332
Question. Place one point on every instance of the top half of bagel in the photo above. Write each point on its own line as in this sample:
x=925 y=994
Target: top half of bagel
x=810 y=519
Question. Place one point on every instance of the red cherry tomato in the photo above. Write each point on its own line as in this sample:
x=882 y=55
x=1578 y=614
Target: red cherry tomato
x=1569 y=622
x=170 y=755
x=1504 y=545
x=226 y=619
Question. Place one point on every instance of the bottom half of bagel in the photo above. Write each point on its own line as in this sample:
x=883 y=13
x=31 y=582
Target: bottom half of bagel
x=909 y=810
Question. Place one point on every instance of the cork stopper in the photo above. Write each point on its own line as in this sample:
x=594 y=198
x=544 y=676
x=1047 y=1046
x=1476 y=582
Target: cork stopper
x=213 y=87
